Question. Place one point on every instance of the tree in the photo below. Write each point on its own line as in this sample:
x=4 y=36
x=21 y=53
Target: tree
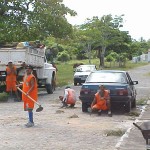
x=33 y=19
x=103 y=32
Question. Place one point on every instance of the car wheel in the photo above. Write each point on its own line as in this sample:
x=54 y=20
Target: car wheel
x=84 y=107
x=134 y=103
x=75 y=83
x=128 y=107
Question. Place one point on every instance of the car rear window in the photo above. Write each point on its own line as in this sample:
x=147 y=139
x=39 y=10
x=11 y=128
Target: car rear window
x=109 y=77
x=85 y=68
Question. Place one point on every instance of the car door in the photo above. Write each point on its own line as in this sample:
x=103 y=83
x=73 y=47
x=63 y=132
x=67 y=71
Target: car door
x=131 y=86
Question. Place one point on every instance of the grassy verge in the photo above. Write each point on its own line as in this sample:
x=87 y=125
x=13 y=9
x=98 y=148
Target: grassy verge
x=117 y=132
x=3 y=97
x=65 y=70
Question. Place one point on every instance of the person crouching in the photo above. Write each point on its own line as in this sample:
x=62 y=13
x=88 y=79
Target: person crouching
x=102 y=101
x=69 y=97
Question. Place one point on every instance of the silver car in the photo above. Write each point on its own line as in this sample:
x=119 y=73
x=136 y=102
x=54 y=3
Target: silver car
x=82 y=72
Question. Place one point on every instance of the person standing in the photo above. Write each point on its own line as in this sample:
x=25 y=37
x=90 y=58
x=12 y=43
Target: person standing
x=11 y=75
x=102 y=101
x=69 y=97
x=30 y=88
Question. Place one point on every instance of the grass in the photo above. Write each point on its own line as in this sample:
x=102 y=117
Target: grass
x=65 y=69
x=3 y=97
x=64 y=74
x=117 y=132
x=141 y=102
x=133 y=113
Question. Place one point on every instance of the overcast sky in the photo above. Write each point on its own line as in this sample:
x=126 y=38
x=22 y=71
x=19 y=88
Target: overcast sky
x=136 y=19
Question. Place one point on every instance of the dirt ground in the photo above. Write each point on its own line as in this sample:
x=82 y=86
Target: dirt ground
x=62 y=129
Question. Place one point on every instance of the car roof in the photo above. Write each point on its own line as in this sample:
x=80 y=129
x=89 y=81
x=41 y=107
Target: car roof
x=123 y=71
x=85 y=65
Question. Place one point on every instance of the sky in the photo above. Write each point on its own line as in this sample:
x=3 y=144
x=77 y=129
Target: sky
x=136 y=19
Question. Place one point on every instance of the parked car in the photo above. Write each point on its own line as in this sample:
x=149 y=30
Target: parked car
x=82 y=72
x=119 y=83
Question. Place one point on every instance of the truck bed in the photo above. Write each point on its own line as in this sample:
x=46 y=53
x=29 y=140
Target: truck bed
x=34 y=57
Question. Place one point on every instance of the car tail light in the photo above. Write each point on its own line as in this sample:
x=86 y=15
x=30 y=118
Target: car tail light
x=123 y=92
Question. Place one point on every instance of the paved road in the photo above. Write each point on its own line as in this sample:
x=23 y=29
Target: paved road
x=67 y=129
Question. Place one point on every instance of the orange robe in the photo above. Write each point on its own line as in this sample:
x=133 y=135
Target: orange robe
x=71 y=99
x=10 y=80
x=101 y=104
x=28 y=103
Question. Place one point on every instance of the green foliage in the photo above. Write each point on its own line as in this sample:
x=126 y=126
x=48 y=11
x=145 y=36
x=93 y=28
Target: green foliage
x=65 y=73
x=3 y=97
x=138 y=48
x=29 y=20
x=142 y=102
x=24 y=20
x=113 y=56
x=104 y=34
x=122 y=57
x=63 y=56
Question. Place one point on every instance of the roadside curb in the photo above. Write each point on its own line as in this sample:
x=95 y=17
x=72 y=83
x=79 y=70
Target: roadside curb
x=126 y=135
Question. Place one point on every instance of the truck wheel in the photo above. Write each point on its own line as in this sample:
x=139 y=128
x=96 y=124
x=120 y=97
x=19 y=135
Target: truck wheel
x=54 y=84
x=84 y=107
x=49 y=88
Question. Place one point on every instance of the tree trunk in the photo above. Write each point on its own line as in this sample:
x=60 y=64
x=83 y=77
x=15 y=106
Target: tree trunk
x=101 y=57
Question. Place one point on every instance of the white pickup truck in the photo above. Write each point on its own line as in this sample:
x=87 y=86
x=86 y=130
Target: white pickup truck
x=44 y=72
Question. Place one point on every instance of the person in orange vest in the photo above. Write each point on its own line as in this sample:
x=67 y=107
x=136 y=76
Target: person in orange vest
x=30 y=88
x=11 y=75
x=69 y=97
x=102 y=101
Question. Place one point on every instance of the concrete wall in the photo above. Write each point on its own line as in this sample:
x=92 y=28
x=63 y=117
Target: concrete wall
x=142 y=58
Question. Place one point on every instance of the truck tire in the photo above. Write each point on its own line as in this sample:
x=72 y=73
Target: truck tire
x=49 y=88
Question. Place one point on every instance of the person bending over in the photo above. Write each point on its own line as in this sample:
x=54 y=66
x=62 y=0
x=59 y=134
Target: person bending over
x=69 y=97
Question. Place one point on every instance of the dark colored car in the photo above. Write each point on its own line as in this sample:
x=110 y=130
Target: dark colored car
x=119 y=83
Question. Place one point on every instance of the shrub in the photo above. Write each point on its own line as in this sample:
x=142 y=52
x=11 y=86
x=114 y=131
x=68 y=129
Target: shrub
x=63 y=56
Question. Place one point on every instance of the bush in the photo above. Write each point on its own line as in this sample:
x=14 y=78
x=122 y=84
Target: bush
x=63 y=56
